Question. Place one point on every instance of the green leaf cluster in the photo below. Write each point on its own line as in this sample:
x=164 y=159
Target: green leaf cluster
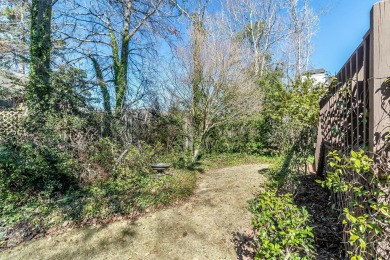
x=366 y=214
x=282 y=230
x=293 y=102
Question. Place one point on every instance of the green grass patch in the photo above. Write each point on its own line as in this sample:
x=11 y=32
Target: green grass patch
x=215 y=161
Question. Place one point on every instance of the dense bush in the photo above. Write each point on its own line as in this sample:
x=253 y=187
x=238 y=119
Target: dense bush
x=282 y=230
x=289 y=116
x=30 y=168
x=250 y=137
x=104 y=153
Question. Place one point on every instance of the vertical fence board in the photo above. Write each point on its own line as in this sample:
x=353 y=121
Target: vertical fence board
x=379 y=74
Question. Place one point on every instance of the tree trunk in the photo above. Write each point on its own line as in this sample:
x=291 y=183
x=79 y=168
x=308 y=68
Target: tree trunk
x=198 y=35
x=196 y=151
x=106 y=97
x=124 y=61
x=39 y=90
x=102 y=85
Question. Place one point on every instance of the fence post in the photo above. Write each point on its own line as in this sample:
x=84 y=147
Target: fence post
x=379 y=87
x=379 y=94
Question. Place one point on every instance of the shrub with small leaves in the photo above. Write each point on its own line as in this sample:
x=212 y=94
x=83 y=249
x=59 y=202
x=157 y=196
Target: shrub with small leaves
x=365 y=209
x=282 y=230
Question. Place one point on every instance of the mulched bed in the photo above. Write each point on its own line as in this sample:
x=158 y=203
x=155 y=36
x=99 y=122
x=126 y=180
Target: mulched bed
x=326 y=227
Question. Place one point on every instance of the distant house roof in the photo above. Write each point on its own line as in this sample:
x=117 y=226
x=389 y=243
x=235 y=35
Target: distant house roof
x=318 y=75
x=316 y=71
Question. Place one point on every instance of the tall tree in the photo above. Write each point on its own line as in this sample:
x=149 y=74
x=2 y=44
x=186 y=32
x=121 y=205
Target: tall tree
x=279 y=32
x=198 y=38
x=39 y=88
x=298 y=47
x=117 y=37
x=212 y=80
x=261 y=25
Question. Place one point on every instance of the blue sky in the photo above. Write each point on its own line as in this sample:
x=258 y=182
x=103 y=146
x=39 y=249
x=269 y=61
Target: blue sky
x=341 y=29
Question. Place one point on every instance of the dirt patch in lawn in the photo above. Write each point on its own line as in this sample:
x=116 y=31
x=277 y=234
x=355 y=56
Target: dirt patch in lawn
x=202 y=228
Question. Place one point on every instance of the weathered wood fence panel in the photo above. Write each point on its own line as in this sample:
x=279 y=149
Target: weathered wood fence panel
x=356 y=111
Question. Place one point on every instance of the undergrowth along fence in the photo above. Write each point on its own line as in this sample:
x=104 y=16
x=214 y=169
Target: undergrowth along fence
x=355 y=114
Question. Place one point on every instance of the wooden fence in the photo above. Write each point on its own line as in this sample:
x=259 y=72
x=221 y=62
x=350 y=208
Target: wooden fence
x=356 y=111
x=355 y=114
x=9 y=122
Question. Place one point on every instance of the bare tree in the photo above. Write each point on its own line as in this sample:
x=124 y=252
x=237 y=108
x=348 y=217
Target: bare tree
x=277 y=31
x=225 y=88
x=14 y=35
x=116 y=38
x=260 y=24
x=298 y=46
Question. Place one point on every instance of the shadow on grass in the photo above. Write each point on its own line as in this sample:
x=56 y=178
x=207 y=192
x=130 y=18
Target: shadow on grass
x=197 y=167
x=92 y=242
x=264 y=171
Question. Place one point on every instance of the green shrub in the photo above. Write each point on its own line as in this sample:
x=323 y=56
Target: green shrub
x=282 y=230
x=138 y=159
x=251 y=137
x=31 y=168
x=365 y=211
x=104 y=153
